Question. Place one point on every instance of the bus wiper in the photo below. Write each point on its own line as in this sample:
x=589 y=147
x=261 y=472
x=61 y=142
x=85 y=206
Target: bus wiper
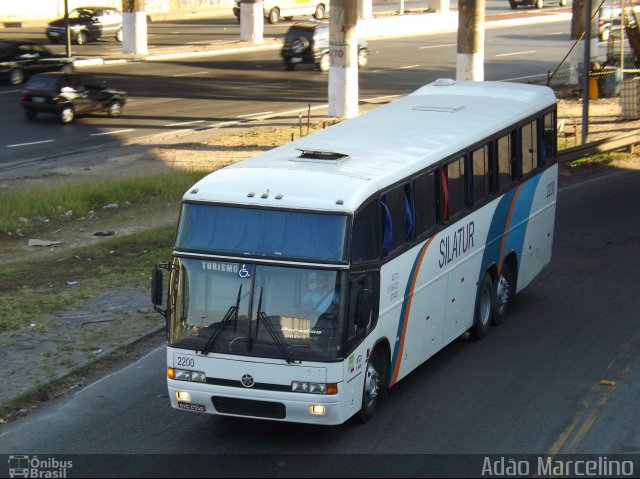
x=231 y=314
x=262 y=316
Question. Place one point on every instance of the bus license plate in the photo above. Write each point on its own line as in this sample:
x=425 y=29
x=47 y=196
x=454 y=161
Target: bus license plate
x=38 y=99
x=191 y=407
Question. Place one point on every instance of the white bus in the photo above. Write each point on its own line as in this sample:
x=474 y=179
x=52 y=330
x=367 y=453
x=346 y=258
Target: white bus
x=307 y=280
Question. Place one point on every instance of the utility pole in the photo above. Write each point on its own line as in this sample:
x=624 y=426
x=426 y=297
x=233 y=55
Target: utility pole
x=470 y=58
x=67 y=27
x=343 y=52
x=134 y=27
x=251 y=21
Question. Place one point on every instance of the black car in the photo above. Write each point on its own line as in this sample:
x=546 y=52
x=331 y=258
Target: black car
x=68 y=95
x=19 y=60
x=535 y=3
x=87 y=24
x=309 y=43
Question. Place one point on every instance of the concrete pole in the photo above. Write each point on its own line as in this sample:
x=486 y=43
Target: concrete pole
x=134 y=27
x=343 y=52
x=251 y=21
x=365 y=9
x=470 y=58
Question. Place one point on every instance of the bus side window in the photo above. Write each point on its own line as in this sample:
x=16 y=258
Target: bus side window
x=548 y=143
x=409 y=215
x=362 y=286
x=364 y=240
x=426 y=202
x=453 y=186
x=529 y=144
x=506 y=161
x=481 y=174
x=397 y=219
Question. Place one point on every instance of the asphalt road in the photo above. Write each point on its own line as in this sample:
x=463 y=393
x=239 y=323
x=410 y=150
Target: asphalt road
x=561 y=376
x=168 y=97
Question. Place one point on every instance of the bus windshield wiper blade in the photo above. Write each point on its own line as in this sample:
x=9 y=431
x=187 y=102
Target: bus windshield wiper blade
x=262 y=316
x=231 y=314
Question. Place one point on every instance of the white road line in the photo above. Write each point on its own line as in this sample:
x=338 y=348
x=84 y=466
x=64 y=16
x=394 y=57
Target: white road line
x=255 y=114
x=10 y=91
x=438 y=46
x=185 y=123
x=407 y=67
x=112 y=132
x=189 y=74
x=31 y=143
x=515 y=53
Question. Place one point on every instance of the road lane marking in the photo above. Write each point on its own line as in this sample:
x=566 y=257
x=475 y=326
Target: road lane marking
x=15 y=145
x=407 y=67
x=112 y=132
x=438 y=46
x=10 y=91
x=185 y=123
x=189 y=74
x=515 y=53
x=255 y=114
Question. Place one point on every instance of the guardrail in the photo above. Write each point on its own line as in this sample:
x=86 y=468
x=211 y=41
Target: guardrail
x=626 y=141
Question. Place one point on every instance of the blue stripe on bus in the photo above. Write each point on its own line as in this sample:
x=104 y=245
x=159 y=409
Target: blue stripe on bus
x=520 y=211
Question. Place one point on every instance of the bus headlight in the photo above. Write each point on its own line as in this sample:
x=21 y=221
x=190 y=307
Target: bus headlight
x=314 y=388
x=185 y=375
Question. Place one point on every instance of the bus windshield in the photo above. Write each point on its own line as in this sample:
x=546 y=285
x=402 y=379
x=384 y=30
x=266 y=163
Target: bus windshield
x=255 y=310
x=262 y=232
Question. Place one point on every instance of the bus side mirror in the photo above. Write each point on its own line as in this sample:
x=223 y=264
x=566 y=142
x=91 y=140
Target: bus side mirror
x=364 y=302
x=157 y=283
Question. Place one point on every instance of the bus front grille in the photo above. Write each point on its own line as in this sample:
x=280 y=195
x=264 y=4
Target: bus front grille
x=249 y=407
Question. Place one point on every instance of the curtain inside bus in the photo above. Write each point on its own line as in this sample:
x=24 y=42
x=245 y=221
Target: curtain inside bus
x=262 y=232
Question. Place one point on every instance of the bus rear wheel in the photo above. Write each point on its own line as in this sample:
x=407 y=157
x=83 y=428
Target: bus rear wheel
x=484 y=308
x=505 y=290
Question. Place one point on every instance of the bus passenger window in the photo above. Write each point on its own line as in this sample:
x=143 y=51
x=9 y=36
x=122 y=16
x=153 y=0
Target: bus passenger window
x=397 y=219
x=529 y=137
x=426 y=202
x=548 y=143
x=506 y=161
x=481 y=173
x=453 y=184
x=365 y=233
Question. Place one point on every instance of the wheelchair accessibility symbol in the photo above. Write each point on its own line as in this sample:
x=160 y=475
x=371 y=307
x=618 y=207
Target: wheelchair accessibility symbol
x=245 y=271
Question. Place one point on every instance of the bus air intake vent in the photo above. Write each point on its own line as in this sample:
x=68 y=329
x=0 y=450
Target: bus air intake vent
x=320 y=155
x=439 y=109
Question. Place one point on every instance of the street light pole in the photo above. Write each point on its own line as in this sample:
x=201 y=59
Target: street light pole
x=586 y=68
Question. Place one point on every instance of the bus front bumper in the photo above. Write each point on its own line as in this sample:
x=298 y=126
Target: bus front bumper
x=257 y=404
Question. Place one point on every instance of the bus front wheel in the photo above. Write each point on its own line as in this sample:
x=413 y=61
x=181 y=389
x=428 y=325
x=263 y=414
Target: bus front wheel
x=372 y=388
x=484 y=308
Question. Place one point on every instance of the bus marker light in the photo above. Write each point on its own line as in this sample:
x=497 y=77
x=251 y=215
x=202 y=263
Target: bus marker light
x=332 y=388
x=170 y=373
x=183 y=396
x=317 y=410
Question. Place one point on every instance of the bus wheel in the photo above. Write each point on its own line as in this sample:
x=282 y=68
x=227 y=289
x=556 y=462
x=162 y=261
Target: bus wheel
x=504 y=292
x=484 y=308
x=371 y=392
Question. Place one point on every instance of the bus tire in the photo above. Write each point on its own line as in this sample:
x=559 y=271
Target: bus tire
x=484 y=308
x=372 y=387
x=505 y=290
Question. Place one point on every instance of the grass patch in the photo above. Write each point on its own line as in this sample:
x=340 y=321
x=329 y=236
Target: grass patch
x=601 y=159
x=27 y=211
x=29 y=291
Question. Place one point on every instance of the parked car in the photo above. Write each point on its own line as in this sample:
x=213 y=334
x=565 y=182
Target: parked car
x=274 y=10
x=535 y=3
x=68 y=95
x=87 y=24
x=309 y=43
x=18 y=60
